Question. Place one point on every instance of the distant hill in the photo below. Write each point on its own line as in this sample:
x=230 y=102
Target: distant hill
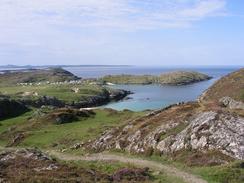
x=171 y=78
x=36 y=75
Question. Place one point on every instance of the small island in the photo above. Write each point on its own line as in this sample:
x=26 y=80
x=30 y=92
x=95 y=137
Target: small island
x=170 y=78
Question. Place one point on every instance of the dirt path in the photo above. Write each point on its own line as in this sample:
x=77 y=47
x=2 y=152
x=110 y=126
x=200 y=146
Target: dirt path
x=170 y=170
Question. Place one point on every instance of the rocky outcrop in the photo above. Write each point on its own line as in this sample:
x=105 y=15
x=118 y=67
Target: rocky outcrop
x=65 y=115
x=231 y=103
x=43 y=101
x=92 y=101
x=209 y=131
x=11 y=108
x=205 y=131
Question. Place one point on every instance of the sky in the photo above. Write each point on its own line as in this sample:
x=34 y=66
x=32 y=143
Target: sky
x=122 y=32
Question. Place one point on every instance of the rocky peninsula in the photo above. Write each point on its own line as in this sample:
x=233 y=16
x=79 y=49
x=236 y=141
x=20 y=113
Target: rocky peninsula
x=171 y=78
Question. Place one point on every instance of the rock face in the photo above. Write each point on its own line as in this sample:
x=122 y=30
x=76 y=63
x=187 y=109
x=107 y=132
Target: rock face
x=205 y=131
x=231 y=103
x=209 y=131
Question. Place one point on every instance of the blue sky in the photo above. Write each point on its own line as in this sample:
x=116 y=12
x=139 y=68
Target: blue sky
x=130 y=32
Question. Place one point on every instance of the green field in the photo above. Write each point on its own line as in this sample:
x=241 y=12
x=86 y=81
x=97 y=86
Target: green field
x=50 y=134
x=62 y=92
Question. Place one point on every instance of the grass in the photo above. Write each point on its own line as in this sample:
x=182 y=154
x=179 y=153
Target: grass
x=232 y=173
x=62 y=92
x=13 y=122
x=108 y=168
x=230 y=85
x=112 y=166
x=226 y=173
x=65 y=135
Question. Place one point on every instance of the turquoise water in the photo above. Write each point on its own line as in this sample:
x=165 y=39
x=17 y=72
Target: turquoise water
x=154 y=96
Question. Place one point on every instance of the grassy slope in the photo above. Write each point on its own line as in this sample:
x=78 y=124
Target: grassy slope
x=65 y=135
x=13 y=122
x=231 y=85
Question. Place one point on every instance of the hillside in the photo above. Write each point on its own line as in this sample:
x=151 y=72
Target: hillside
x=231 y=85
x=171 y=78
x=187 y=142
x=36 y=75
x=192 y=132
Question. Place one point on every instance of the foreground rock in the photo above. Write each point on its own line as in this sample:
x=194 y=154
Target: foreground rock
x=231 y=103
x=31 y=165
x=166 y=134
x=171 y=78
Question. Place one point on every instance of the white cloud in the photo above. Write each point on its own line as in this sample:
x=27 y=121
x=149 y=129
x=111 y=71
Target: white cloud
x=83 y=29
x=125 y=14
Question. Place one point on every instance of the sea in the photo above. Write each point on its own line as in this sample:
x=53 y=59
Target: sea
x=151 y=97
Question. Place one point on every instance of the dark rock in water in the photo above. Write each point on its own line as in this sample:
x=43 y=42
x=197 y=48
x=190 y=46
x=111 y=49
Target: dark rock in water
x=127 y=98
x=11 y=108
